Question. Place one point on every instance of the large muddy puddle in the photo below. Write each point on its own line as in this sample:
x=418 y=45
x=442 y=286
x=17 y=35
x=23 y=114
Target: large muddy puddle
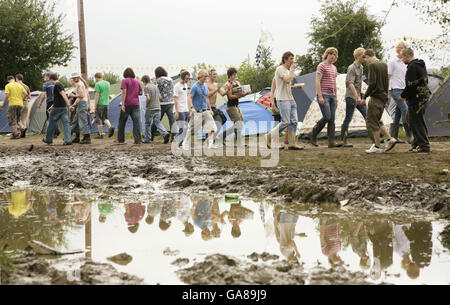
x=151 y=232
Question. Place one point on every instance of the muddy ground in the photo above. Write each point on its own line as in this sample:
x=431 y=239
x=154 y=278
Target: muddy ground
x=316 y=175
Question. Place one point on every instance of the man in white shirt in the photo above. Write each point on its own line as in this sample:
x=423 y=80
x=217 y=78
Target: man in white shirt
x=396 y=79
x=180 y=94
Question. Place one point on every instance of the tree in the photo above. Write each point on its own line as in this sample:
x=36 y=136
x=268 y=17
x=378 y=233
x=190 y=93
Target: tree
x=31 y=40
x=345 y=25
x=258 y=77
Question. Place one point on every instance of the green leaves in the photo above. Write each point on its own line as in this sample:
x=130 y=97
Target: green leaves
x=31 y=40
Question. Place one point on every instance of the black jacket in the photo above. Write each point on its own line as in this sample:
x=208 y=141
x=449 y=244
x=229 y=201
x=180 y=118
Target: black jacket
x=416 y=91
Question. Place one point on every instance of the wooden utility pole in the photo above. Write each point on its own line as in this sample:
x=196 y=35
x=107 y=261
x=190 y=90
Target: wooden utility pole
x=82 y=32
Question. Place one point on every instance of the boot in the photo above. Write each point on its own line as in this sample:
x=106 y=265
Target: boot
x=268 y=138
x=344 y=135
x=86 y=139
x=293 y=142
x=332 y=137
x=409 y=134
x=313 y=135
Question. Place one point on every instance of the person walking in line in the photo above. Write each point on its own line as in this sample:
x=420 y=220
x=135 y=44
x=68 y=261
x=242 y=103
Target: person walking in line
x=102 y=90
x=214 y=89
x=24 y=115
x=131 y=90
x=233 y=110
x=353 y=99
x=15 y=93
x=326 y=96
x=180 y=95
x=378 y=93
x=153 y=111
x=82 y=107
x=417 y=95
x=165 y=86
x=48 y=98
x=200 y=110
x=396 y=78
x=287 y=105
x=59 y=112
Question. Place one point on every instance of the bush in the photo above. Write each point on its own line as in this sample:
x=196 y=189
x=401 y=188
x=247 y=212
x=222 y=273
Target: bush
x=111 y=78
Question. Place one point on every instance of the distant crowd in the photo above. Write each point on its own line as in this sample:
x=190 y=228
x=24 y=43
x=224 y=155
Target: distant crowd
x=403 y=80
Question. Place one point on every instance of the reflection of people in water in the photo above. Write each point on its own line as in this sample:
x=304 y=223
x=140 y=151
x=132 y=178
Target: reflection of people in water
x=168 y=211
x=358 y=241
x=401 y=246
x=184 y=214
x=134 y=212
x=201 y=214
x=104 y=209
x=153 y=209
x=330 y=240
x=19 y=202
x=284 y=225
x=420 y=236
x=216 y=218
x=380 y=234
x=236 y=215
x=56 y=208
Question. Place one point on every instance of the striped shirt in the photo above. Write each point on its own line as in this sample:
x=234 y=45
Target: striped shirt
x=329 y=74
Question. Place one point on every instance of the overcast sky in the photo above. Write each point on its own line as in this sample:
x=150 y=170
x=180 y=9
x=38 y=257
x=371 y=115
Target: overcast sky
x=148 y=33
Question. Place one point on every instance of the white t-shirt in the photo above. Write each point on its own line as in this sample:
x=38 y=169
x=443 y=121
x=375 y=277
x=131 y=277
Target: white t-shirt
x=283 y=91
x=180 y=90
x=401 y=244
x=397 y=70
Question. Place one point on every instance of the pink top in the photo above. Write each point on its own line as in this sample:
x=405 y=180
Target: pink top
x=133 y=88
x=329 y=74
x=135 y=213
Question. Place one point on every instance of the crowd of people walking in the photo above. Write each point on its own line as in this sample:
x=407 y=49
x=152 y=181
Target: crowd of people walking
x=403 y=80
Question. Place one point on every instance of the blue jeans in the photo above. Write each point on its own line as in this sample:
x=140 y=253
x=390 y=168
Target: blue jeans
x=80 y=119
x=168 y=110
x=135 y=113
x=289 y=118
x=328 y=110
x=401 y=109
x=153 y=117
x=59 y=113
x=181 y=125
x=350 y=109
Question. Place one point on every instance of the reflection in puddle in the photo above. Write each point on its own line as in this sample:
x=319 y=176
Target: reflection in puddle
x=144 y=236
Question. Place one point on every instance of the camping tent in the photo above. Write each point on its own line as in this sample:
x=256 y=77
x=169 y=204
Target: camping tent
x=36 y=117
x=437 y=110
x=308 y=107
x=257 y=119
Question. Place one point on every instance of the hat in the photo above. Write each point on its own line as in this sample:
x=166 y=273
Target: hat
x=48 y=74
x=75 y=74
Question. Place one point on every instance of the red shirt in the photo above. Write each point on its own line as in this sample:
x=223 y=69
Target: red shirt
x=329 y=74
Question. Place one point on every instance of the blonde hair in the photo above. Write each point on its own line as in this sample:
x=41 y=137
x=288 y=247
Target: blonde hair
x=408 y=52
x=401 y=46
x=331 y=50
x=358 y=52
x=201 y=73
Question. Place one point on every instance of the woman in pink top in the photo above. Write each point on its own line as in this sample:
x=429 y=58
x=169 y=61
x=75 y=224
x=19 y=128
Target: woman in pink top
x=131 y=90
x=326 y=95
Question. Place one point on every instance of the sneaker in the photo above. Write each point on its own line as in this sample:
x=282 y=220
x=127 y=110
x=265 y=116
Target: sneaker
x=111 y=132
x=15 y=136
x=374 y=150
x=76 y=140
x=23 y=133
x=99 y=137
x=390 y=144
x=420 y=150
x=85 y=141
x=211 y=145
x=67 y=144
x=167 y=138
x=147 y=142
x=412 y=149
x=45 y=141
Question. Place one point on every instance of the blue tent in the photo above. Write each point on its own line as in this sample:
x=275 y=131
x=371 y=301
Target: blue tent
x=114 y=113
x=257 y=119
